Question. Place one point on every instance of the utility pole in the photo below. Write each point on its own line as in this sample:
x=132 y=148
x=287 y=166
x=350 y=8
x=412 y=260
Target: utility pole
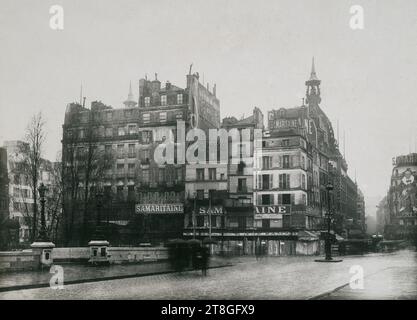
x=194 y=212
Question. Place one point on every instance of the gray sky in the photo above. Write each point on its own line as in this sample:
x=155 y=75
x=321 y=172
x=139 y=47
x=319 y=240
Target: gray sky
x=258 y=52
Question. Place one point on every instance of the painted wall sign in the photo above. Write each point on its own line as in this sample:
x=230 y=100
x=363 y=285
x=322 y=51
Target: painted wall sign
x=160 y=208
x=272 y=209
x=212 y=210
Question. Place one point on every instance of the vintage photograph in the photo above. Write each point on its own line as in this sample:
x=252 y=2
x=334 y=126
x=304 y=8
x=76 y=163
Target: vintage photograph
x=208 y=150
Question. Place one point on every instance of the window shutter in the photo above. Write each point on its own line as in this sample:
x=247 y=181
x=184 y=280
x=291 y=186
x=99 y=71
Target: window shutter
x=288 y=181
x=280 y=181
x=292 y=198
x=270 y=181
x=279 y=198
x=259 y=199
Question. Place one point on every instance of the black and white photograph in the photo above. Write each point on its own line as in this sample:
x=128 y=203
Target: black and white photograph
x=194 y=150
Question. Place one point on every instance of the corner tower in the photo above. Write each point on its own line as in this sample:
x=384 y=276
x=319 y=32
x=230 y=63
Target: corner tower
x=313 y=88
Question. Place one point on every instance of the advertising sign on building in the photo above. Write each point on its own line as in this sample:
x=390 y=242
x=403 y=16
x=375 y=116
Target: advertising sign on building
x=210 y=210
x=160 y=208
x=271 y=209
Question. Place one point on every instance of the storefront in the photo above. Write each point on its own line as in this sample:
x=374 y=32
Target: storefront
x=159 y=222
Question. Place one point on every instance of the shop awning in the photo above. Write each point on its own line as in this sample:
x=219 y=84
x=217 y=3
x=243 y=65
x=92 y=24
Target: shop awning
x=305 y=235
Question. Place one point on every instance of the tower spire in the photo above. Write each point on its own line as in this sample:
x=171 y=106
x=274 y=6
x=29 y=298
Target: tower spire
x=313 y=75
x=130 y=102
x=313 y=88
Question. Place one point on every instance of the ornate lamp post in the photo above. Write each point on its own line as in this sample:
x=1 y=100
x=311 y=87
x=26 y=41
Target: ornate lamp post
x=43 y=245
x=42 y=236
x=328 y=243
x=99 y=203
x=328 y=238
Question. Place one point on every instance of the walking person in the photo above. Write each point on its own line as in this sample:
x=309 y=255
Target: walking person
x=204 y=260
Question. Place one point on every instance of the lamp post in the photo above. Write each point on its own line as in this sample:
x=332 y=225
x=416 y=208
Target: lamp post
x=42 y=236
x=43 y=245
x=328 y=243
x=328 y=240
x=99 y=203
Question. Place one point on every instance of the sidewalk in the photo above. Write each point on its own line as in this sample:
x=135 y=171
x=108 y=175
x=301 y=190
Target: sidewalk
x=77 y=273
x=393 y=283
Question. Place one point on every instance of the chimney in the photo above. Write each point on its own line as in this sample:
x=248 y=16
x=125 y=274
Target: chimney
x=167 y=85
x=214 y=90
x=156 y=84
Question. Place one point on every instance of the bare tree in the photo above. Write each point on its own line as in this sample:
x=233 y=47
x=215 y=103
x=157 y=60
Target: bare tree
x=31 y=152
x=54 y=198
x=84 y=167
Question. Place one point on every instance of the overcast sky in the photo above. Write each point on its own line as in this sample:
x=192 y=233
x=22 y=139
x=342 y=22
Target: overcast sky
x=258 y=52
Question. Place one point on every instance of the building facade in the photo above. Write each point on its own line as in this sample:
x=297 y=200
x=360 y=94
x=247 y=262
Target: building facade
x=401 y=198
x=146 y=197
x=20 y=190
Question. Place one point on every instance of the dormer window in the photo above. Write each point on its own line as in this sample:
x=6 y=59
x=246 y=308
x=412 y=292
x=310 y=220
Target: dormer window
x=147 y=101
x=163 y=100
x=179 y=98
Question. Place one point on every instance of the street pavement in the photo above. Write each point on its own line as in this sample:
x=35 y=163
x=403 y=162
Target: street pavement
x=386 y=276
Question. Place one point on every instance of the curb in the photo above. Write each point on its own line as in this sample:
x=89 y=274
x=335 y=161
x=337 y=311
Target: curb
x=136 y=275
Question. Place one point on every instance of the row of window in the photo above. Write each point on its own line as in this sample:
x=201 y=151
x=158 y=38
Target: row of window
x=284 y=161
x=282 y=199
x=266 y=181
x=159 y=175
x=212 y=174
x=180 y=99
x=131 y=129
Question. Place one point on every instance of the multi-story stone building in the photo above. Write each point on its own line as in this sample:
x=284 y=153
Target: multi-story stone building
x=360 y=211
x=4 y=186
x=146 y=201
x=226 y=202
x=20 y=189
x=300 y=155
x=5 y=228
x=402 y=198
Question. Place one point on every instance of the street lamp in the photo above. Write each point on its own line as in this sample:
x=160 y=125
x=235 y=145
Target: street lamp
x=99 y=203
x=43 y=245
x=328 y=240
x=42 y=236
x=328 y=243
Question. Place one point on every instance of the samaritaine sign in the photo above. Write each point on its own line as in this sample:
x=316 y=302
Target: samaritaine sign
x=160 y=208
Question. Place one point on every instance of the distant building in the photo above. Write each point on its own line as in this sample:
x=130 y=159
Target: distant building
x=360 y=211
x=20 y=188
x=382 y=215
x=4 y=186
x=402 y=198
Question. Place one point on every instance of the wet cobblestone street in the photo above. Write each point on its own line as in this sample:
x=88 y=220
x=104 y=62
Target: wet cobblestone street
x=386 y=276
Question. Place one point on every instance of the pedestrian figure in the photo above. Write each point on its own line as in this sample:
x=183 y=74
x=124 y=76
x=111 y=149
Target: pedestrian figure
x=204 y=260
